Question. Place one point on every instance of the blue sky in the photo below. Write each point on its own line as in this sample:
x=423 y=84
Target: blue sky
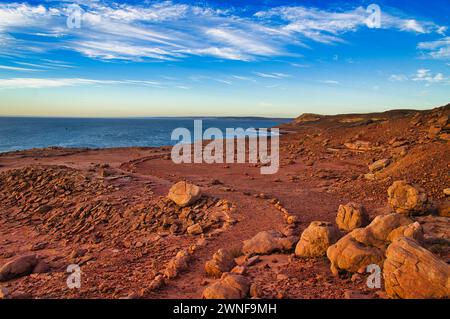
x=266 y=58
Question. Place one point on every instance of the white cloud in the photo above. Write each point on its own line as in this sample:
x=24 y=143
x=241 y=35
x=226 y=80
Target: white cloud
x=332 y=82
x=425 y=75
x=119 y=50
x=42 y=83
x=164 y=30
x=439 y=49
x=398 y=78
x=37 y=83
x=13 y=68
x=274 y=75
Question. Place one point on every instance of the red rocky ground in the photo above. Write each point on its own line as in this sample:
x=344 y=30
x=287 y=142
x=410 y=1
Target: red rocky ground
x=106 y=210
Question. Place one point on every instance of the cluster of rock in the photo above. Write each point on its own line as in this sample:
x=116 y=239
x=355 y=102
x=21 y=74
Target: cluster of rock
x=37 y=189
x=55 y=201
x=440 y=128
x=393 y=242
x=193 y=217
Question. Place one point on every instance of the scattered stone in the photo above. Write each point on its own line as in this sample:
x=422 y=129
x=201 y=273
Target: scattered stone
x=221 y=262
x=177 y=264
x=255 y=291
x=230 y=286
x=184 y=193
x=379 y=165
x=447 y=191
x=370 y=176
x=291 y=219
x=316 y=239
x=351 y=216
x=157 y=283
x=19 y=267
x=39 y=246
x=266 y=242
x=411 y=271
x=240 y=270
x=253 y=261
x=359 y=146
x=195 y=229
x=281 y=277
x=407 y=199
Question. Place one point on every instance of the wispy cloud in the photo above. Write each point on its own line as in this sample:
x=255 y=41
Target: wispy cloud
x=273 y=75
x=425 y=75
x=42 y=83
x=332 y=82
x=13 y=68
x=439 y=49
x=165 y=31
x=398 y=78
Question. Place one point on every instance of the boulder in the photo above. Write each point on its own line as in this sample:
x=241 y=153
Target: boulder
x=378 y=231
x=177 y=264
x=221 y=262
x=379 y=165
x=365 y=246
x=18 y=267
x=230 y=286
x=410 y=271
x=351 y=216
x=352 y=256
x=407 y=199
x=184 y=193
x=414 y=231
x=266 y=242
x=316 y=239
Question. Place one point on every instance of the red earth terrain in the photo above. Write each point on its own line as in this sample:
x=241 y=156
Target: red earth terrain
x=106 y=210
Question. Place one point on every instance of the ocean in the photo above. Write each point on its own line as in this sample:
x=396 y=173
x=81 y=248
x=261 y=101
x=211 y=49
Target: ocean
x=20 y=133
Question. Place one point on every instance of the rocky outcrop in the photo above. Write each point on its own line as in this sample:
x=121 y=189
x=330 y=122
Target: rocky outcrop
x=407 y=199
x=316 y=239
x=266 y=242
x=411 y=271
x=351 y=216
x=230 y=286
x=184 y=193
x=221 y=262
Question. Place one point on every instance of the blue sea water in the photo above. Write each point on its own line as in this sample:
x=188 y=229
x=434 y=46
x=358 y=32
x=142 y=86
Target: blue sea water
x=19 y=133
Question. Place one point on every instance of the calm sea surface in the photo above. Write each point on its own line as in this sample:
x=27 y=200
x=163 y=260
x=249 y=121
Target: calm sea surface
x=19 y=133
